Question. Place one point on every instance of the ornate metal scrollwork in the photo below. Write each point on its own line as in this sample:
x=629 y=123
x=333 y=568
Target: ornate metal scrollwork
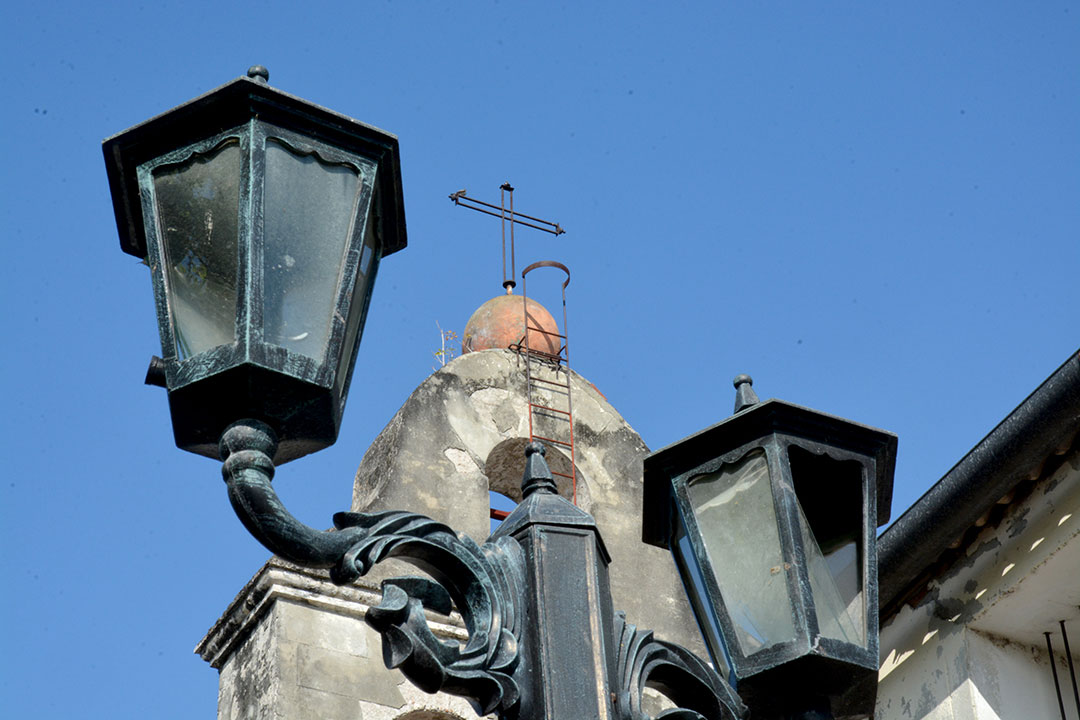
x=485 y=583
x=482 y=582
x=699 y=691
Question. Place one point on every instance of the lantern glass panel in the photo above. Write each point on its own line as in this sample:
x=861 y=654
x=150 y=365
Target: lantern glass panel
x=834 y=582
x=308 y=211
x=696 y=591
x=830 y=521
x=365 y=276
x=197 y=209
x=736 y=517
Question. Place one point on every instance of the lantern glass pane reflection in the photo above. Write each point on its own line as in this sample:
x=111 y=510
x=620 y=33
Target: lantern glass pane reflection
x=365 y=275
x=831 y=527
x=737 y=520
x=834 y=582
x=308 y=212
x=197 y=203
x=696 y=591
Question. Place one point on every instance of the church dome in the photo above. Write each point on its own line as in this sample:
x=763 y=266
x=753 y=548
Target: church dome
x=500 y=322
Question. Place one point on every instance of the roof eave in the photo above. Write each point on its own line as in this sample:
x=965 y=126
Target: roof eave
x=1043 y=424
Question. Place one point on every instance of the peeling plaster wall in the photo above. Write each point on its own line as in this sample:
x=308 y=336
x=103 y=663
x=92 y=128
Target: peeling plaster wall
x=438 y=456
x=974 y=648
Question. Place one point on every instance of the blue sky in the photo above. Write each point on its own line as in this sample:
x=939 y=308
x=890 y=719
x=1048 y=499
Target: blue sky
x=872 y=208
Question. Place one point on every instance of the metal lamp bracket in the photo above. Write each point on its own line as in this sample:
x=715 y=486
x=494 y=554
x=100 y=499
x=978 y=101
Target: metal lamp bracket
x=485 y=583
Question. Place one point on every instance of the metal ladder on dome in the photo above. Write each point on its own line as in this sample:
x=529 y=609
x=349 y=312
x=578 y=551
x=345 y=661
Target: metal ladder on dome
x=547 y=380
x=558 y=362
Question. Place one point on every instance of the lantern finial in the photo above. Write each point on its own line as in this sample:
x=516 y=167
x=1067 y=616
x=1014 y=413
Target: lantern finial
x=537 y=476
x=259 y=73
x=744 y=393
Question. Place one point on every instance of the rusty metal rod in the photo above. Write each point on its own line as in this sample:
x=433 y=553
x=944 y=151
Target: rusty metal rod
x=541 y=355
x=557 y=231
x=546 y=332
x=1072 y=670
x=552 y=382
x=545 y=407
x=1053 y=668
x=513 y=253
x=462 y=199
x=502 y=215
x=566 y=444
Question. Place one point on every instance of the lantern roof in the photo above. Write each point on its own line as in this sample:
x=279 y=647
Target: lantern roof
x=229 y=106
x=752 y=423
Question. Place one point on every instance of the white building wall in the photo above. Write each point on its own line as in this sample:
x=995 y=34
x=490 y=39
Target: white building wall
x=1010 y=680
x=974 y=647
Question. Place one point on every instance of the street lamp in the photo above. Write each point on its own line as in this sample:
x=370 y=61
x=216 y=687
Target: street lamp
x=772 y=518
x=263 y=218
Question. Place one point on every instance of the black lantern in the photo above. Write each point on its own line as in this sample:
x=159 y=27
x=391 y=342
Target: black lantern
x=772 y=518
x=263 y=219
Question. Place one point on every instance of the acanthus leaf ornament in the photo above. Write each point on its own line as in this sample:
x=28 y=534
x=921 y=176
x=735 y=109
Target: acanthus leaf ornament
x=480 y=582
x=643 y=661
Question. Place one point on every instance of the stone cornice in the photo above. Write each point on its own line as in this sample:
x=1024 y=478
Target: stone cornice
x=278 y=579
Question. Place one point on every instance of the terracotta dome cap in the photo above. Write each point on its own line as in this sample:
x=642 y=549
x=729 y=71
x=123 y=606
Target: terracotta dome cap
x=500 y=323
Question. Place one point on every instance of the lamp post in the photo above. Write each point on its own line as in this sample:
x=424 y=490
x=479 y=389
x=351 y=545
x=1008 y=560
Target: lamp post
x=263 y=218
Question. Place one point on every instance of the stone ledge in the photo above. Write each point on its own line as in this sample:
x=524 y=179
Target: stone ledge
x=279 y=579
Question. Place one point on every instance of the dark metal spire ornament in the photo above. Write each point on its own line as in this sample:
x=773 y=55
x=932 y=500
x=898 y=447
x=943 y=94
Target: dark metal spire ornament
x=259 y=73
x=744 y=393
x=537 y=477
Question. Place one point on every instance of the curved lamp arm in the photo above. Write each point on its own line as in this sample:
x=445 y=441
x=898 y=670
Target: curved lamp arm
x=483 y=583
x=247 y=448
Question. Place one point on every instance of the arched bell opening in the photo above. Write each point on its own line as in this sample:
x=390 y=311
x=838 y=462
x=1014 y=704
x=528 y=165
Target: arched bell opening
x=505 y=465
